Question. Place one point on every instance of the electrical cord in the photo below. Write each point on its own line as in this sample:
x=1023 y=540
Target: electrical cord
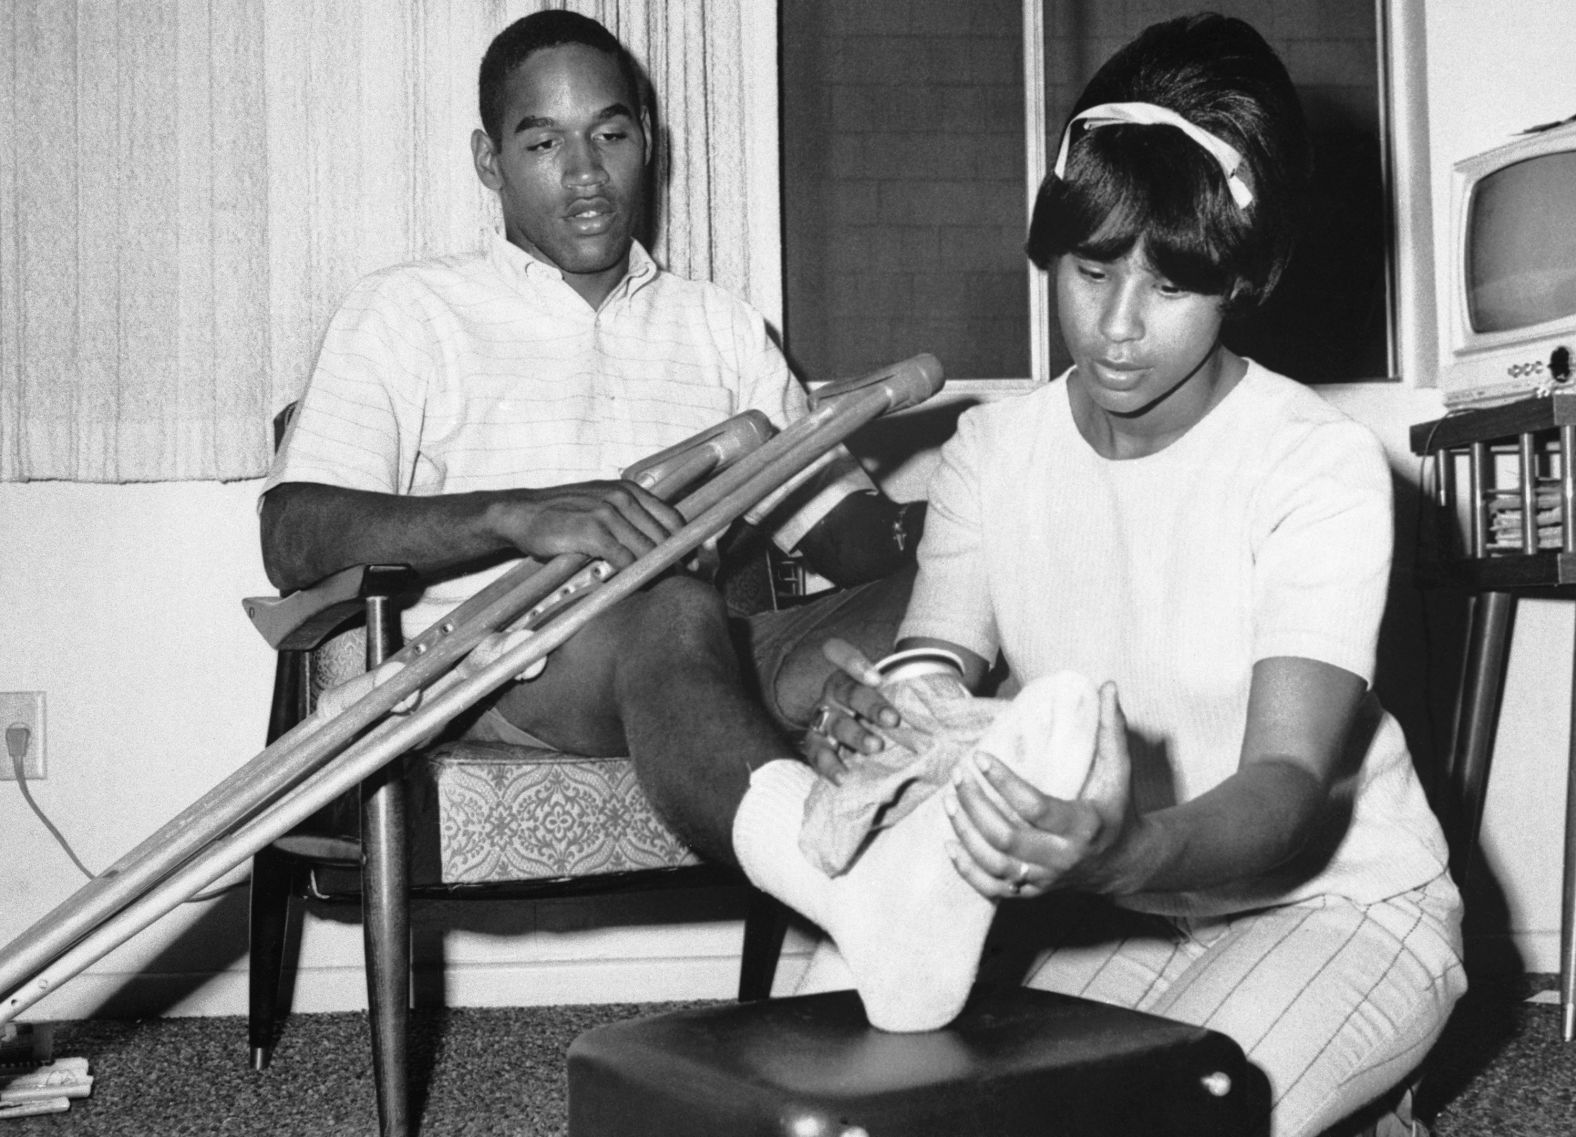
x=17 y=739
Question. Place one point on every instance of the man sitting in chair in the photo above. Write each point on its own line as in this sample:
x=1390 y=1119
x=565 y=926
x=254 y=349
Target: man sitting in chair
x=469 y=410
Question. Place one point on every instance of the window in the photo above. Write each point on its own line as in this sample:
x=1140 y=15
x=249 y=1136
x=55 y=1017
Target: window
x=912 y=146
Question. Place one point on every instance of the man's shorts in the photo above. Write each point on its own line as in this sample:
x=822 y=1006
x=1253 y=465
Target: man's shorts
x=766 y=639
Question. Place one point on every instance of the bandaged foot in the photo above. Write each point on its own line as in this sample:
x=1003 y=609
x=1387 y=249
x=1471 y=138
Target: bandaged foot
x=908 y=926
x=941 y=725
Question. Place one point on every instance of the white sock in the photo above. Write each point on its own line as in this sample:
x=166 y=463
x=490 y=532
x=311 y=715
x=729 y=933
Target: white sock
x=1047 y=733
x=908 y=926
x=766 y=836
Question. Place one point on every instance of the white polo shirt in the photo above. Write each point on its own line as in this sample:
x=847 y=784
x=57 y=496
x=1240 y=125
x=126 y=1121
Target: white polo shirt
x=488 y=371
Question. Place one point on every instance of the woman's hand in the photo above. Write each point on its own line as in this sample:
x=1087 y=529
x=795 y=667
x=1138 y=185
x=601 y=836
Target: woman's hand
x=850 y=709
x=1021 y=842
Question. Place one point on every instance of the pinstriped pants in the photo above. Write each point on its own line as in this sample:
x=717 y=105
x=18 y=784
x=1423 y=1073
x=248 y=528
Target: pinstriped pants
x=1334 y=1001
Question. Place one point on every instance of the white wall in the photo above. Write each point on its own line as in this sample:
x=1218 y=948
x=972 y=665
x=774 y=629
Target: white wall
x=121 y=603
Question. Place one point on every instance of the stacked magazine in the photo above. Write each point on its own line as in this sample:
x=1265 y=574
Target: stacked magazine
x=32 y=1080
x=1505 y=512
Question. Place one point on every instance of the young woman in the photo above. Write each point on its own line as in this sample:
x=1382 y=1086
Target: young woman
x=1211 y=543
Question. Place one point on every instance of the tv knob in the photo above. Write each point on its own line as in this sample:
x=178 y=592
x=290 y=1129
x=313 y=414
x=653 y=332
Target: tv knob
x=1560 y=364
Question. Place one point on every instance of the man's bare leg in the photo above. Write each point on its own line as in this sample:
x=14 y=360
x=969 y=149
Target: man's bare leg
x=657 y=678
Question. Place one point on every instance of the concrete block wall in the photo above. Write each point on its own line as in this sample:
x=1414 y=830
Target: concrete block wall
x=904 y=185
x=1327 y=45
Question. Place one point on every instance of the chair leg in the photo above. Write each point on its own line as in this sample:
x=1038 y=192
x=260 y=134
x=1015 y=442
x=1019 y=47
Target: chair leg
x=272 y=875
x=1568 y=893
x=765 y=926
x=385 y=884
x=1477 y=717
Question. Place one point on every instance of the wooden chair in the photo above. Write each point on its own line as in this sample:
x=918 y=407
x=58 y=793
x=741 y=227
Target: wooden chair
x=449 y=822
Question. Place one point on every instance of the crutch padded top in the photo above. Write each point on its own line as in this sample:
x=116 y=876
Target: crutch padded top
x=907 y=384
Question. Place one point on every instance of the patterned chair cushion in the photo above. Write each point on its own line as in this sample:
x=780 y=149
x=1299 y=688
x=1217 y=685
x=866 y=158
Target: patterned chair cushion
x=486 y=812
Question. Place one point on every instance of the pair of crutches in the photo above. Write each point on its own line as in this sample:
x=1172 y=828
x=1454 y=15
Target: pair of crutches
x=504 y=631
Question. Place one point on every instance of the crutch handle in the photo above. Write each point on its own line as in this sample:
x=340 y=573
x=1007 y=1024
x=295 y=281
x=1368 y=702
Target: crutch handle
x=303 y=619
x=907 y=384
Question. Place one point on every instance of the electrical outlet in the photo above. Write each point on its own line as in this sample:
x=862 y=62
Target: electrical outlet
x=22 y=708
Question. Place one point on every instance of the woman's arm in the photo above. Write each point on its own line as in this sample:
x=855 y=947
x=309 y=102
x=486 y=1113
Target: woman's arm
x=1300 y=712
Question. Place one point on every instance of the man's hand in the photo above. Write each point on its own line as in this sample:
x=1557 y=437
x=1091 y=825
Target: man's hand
x=615 y=521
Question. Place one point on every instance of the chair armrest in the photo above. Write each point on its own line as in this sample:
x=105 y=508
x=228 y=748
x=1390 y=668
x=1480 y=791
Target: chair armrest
x=304 y=618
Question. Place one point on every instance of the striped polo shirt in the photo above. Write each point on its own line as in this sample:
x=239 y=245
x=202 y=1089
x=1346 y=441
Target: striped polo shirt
x=488 y=371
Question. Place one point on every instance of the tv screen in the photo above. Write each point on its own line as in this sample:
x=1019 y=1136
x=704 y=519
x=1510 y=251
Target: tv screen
x=1521 y=245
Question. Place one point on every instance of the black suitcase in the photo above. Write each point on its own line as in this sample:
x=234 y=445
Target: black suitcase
x=1016 y=1063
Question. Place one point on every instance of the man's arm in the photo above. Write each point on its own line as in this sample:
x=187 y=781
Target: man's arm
x=866 y=536
x=310 y=530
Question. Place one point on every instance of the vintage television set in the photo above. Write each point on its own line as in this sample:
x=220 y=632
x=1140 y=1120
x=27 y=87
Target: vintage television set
x=1512 y=270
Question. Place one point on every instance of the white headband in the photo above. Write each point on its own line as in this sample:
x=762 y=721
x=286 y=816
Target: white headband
x=1147 y=114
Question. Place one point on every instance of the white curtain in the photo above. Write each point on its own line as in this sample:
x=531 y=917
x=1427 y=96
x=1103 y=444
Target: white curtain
x=189 y=186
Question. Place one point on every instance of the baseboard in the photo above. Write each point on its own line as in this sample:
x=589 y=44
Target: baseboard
x=1533 y=952
x=116 y=995
x=540 y=982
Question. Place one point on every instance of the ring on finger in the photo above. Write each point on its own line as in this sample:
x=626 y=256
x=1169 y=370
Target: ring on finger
x=1019 y=879
x=823 y=715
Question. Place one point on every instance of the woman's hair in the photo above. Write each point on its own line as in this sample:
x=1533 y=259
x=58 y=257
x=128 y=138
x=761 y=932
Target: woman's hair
x=1126 y=183
x=552 y=27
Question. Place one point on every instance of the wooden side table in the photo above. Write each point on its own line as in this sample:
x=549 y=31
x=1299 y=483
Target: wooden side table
x=1518 y=538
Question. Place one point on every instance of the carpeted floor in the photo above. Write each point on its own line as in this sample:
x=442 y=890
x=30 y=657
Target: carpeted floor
x=1500 y=1071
